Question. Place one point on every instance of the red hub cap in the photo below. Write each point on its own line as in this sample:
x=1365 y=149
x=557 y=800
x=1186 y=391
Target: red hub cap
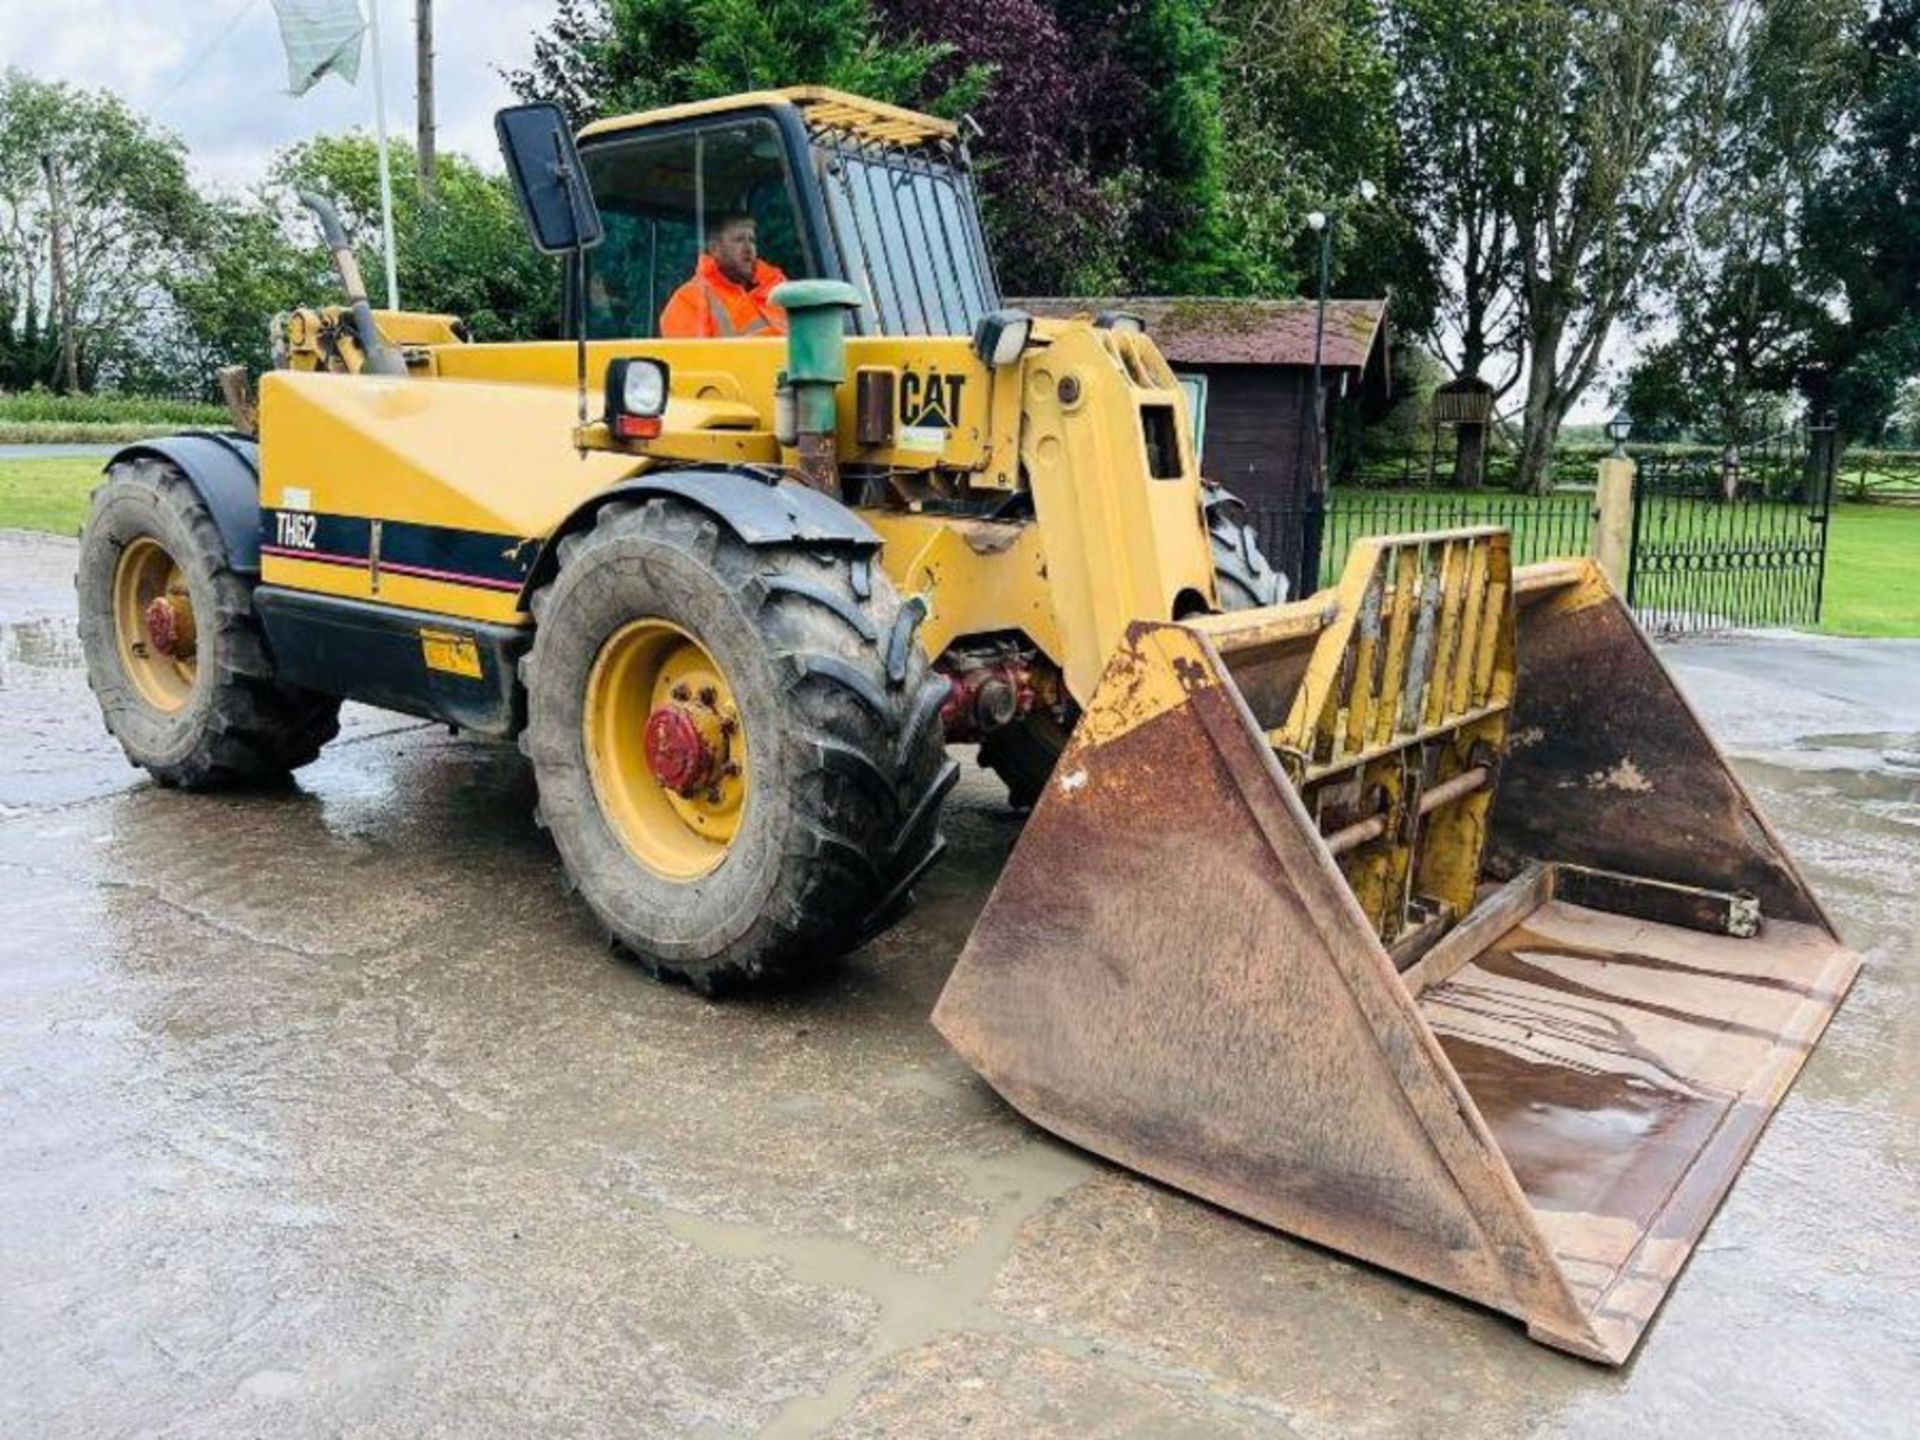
x=163 y=633
x=677 y=753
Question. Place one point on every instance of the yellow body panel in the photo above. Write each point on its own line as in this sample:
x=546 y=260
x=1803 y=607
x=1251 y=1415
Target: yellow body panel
x=482 y=440
x=978 y=577
x=1121 y=546
x=416 y=327
x=937 y=379
x=489 y=458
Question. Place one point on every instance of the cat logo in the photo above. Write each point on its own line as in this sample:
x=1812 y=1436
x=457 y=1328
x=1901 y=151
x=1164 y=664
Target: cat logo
x=930 y=401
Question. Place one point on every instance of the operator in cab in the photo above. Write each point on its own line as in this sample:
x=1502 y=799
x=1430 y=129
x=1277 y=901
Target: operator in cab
x=728 y=294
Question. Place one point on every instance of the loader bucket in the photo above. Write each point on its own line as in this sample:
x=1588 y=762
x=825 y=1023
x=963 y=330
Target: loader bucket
x=1421 y=919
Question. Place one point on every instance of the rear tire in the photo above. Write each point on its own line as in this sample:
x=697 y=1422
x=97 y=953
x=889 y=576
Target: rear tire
x=1024 y=753
x=209 y=714
x=832 y=716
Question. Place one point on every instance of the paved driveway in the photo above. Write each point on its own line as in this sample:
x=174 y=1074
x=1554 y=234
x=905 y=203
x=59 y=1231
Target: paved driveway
x=325 y=1113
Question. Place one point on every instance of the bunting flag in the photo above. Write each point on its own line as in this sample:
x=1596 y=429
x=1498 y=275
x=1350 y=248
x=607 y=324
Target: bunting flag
x=320 y=37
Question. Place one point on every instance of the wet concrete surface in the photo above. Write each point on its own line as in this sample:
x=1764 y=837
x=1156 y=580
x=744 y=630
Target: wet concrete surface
x=325 y=1112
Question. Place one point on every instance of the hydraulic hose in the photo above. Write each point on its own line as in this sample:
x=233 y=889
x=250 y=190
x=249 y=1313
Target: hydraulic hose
x=380 y=358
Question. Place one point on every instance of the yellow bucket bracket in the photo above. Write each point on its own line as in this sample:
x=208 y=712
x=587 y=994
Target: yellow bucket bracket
x=1420 y=918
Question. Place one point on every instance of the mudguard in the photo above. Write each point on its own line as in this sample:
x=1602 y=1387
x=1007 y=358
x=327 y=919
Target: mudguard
x=759 y=512
x=224 y=470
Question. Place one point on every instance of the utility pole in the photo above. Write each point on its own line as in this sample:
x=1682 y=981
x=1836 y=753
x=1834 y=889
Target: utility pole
x=423 y=92
x=68 y=377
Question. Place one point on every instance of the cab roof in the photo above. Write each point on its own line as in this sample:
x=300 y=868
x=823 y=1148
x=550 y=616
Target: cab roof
x=823 y=110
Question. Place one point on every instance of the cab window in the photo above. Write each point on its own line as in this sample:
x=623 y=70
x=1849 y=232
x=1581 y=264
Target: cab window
x=903 y=223
x=658 y=195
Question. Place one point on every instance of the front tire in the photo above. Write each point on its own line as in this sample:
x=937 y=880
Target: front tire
x=738 y=748
x=1241 y=572
x=174 y=653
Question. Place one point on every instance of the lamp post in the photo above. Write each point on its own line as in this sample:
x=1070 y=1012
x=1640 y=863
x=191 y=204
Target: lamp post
x=1321 y=223
x=1614 y=512
x=1619 y=428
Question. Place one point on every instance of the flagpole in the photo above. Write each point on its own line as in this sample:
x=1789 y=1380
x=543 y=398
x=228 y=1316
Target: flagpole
x=386 y=174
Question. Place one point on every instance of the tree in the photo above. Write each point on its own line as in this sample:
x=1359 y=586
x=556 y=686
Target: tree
x=1738 y=295
x=1101 y=154
x=1101 y=150
x=1864 y=228
x=1456 y=99
x=1154 y=73
x=463 y=253
x=1623 y=106
x=1056 y=208
x=126 y=209
x=225 y=292
x=602 y=57
x=466 y=253
x=1308 y=96
x=1904 y=427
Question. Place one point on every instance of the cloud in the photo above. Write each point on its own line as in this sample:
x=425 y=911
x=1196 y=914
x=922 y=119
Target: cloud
x=214 y=72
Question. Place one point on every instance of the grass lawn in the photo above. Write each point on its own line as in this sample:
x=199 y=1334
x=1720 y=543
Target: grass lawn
x=49 y=495
x=1873 y=565
x=1873 y=571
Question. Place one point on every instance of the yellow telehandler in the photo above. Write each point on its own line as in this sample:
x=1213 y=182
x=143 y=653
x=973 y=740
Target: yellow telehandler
x=1418 y=916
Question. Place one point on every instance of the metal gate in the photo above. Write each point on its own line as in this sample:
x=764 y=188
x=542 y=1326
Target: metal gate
x=1736 y=540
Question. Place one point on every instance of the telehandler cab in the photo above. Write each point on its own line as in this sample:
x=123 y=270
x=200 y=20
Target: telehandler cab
x=1419 y=916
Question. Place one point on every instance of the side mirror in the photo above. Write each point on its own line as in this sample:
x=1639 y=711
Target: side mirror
x=546 y=174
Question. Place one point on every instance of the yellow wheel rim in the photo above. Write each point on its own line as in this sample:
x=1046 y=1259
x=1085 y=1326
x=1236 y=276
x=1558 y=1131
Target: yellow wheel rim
x=666 y=748
x=153 y=625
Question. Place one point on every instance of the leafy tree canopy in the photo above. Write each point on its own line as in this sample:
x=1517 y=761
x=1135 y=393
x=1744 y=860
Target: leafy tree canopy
x=1864 y=231
x=127 y=209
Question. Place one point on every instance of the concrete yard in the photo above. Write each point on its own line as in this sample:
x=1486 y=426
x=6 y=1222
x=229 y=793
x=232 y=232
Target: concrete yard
x=325 y=1112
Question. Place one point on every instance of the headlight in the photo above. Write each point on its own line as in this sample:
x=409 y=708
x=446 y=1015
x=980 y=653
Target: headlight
x=637 y=393
x=1123 y=321
x=1001 y=337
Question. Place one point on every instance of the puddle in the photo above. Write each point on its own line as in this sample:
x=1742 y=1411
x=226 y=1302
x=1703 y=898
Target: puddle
x=33 y=651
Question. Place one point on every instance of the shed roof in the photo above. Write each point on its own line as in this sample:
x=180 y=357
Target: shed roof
x=1202 y=330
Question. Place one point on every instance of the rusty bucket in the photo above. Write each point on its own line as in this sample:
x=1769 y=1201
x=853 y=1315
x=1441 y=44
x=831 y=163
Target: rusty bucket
x=1422 y=919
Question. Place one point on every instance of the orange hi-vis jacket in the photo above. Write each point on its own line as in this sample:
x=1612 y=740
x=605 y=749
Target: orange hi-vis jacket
x=711 y=306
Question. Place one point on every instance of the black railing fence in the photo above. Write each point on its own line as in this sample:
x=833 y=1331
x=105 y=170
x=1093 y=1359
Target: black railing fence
x=1722 y=539
x=1544 y=526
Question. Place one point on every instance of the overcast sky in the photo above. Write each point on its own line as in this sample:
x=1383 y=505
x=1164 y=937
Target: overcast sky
x=213 y=71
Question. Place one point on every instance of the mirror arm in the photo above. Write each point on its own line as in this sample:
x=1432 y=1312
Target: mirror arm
x=570 y=179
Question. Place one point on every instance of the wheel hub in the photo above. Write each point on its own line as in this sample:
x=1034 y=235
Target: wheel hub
x=686 y=746
x=168 y=622
x=153 y=625
x=667 y=748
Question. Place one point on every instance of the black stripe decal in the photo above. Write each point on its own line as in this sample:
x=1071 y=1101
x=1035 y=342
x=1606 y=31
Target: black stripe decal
x=432 y=552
